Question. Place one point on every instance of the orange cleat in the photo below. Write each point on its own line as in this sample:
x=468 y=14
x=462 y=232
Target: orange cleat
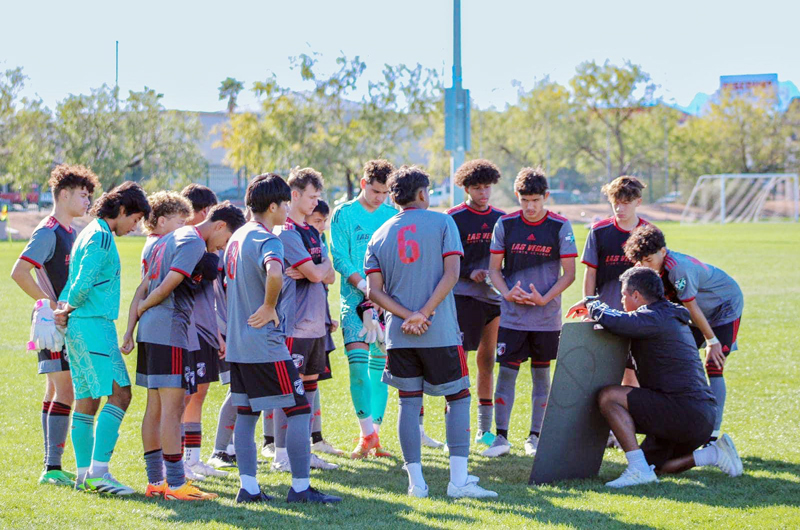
x=380 y=452
x=365 y=445
x=156 y=491
x=188 y=492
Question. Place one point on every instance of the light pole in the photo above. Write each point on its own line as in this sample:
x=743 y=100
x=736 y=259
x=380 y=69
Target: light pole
x=457 y=138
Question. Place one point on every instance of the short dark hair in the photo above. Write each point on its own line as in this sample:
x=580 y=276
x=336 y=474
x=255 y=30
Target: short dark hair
x=644 y=241
x=476 y=172
x=300 y=178
x=405 y=181
x=645 y=280
x=225 y=211
x=128 y=194
x=531 y=181
x=164 y=204
x=623 y=189
x=377 y=170
x=200 y=196
x=322 y=208
x=264 y=190
x=66 y=177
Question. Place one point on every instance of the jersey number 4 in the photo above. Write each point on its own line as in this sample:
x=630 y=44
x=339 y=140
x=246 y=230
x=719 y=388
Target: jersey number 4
x=407 y=249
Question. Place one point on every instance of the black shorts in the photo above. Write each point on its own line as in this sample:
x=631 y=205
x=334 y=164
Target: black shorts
x=435 y=371
x=264 y=386
x=53 y=362
x=630 y=362
x=205 y=362
x=675 y=425
x=473 y=315
x=326 y=374
x=308 y=354
x=514 y=347
x=160 y=366
x=727 y=335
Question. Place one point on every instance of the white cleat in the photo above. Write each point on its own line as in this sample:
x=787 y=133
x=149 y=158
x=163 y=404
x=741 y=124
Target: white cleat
x=323 y=446
x=268 y=450
x=728 y=459
x=418 y=491
x=427 y=441
x=531 y=445
x=471 y=490
x=318 y=463
x=499 y=447
x=281 y=465
x=201 y=468
x=191 y=475
x=633 y=477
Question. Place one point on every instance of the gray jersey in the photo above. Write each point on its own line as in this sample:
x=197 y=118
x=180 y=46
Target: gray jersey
x=532 y=254
x=295 y=253
x=249 y=251
x=147 y=250
x=718 y=295
x=409 y=251
x=168 y=323
x=221 y=297
x=205 y=317
x=48 y=250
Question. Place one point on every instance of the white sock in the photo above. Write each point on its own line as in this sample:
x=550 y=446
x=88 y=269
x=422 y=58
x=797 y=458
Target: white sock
x=707 y=456
x=231 y=450
x=281 y=454
x=366 y=426
x=250 y=484
x=300 y=484
x=421 y=430
x=82 y=472
x=376 y=427
x=191 y=455
x=415 y=477
x=98 y=469
x=636 y=460
x=458 y=471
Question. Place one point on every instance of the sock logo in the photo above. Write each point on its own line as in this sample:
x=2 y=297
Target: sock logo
x=501 y=349
x=298 y=387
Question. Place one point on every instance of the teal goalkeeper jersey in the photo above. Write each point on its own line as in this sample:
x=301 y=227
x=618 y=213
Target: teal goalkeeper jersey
x=351 y=229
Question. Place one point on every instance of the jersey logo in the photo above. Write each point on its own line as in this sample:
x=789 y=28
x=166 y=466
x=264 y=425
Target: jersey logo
x=569 y=238
x=680 y=284
x=358 y=229
x=531 y=237
x=501 y=349
x=485 y=226
x=298 y=387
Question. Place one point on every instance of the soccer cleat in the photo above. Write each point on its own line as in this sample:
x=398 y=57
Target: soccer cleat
x=499 y=447
x=323 y=446
x=318 y=463
x=633 y=477
x=471 y=490
x=311 y=495
x=531 y=444
x=244 y=497
x=221 y=459
x=282 y=465
x=188 y=492
x=427 y=441
x=728 y=459
x=418 y=491
x=485 y=438
x=156 y=491
x=201 y=468
x=268 y=450
x=381 y=452
x=57 y=477
x=108 y=485
x=190 y=474
x=365 y=445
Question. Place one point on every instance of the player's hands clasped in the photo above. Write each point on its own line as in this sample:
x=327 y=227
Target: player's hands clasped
x=479 y=275
x=263 y=316
x=415 y=324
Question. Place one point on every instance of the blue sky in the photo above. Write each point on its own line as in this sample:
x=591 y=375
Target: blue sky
x=184 y=49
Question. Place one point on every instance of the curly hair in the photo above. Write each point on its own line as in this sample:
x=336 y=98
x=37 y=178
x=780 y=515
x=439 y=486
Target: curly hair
x=200 y=196
x=300 y=178
x=531 y=181
x=644 y=241
x=405 y=181
x=623 y=189
x=377 y=170
x=165 y=204
x=477 y=172
x=129 y=195
x=66 y=177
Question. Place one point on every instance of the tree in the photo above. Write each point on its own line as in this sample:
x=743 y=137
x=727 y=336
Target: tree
x=230 y=89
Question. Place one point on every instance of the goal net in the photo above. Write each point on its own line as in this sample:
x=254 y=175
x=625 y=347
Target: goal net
x=743 y=198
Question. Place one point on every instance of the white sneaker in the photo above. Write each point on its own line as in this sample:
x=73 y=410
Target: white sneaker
x=268 y=451
x=446 y=449
x=201 y=468
x=418 y=491
x=633 y=477
x=323 y=446
x=427 y=441
x=470 y=489
x=281 y=465
x=318 y=463
x=191 y=475
x=728 y=459
x=499 y=447
x=531 y=444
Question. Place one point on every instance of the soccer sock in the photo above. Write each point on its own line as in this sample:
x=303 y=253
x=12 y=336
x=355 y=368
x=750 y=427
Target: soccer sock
x=280 y=426
x=539 y=393
x=45 y=413
x=706 y=456
x=504 y=398
x=458 y=470
x=379 y=391
x=154 y=465
x=106 y=435
x=636 y=460
x=359 y=385
x=82 y=441
x=250 y=483
x=57 y=429
x=194 y=439
x=366 y=425
x=298 y=448
x=243 y=439
x=408 y=426
x=485 y=412
x=719 y=390
x=175 y=473
x=225 y=424
x=183 y=437
x=268 y=426
x=415 y=476
x=311 y=395
x=316 y=419
x=457 y=424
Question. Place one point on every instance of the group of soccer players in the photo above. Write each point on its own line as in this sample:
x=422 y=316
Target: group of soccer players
x=242 y=299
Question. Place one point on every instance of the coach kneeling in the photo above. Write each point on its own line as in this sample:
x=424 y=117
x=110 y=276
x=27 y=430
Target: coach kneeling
x=674 y=406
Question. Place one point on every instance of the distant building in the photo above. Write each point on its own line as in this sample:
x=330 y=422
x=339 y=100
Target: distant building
x=220 y=177
x=744 y=85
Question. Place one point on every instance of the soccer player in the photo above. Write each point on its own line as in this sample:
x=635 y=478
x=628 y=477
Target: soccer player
x=263 y=375
x=412 y=264
x=713 y=298
x=92 y=296
x=307 y=272
x=674 y=407
x=530 y=249
x=48 y=251
x=477 y=302
x=164 y=365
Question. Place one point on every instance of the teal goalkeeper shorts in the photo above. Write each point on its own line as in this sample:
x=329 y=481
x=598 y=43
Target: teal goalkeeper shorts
x=95 y=359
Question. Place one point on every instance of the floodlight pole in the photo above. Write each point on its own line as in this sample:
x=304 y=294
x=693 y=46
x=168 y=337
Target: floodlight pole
x=456 y=121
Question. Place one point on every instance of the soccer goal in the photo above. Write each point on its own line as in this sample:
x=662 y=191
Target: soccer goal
x=743 y=198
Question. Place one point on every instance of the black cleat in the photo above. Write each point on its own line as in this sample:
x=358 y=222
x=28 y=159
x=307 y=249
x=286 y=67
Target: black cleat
x=311 y=495
x=245 y=497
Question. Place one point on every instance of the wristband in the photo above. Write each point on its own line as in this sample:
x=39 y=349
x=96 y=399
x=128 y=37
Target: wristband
x=712 y=341
x=362 y=285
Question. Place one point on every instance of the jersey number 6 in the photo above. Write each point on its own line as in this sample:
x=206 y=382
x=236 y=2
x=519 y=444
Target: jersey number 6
x=405 y=246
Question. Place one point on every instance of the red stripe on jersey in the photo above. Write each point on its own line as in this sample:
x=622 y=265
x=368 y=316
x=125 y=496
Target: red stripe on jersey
x=32 y=262
x=556 y=216
x=569 y=256
x=463 y=359
x=370 y=271
x=687 y=300
x=453 y=253
x=455 y=209
x=176 y=269
x=592 y=265
x=605 y=222
x=290 y=343
x=497 y=251
x=301 y=262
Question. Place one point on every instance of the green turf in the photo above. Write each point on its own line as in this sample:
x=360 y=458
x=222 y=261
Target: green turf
x=761 y=414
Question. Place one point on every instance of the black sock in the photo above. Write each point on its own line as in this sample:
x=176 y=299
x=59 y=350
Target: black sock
x=503 y=433
x=316 y=437
x=53 y=468
x=269 y=440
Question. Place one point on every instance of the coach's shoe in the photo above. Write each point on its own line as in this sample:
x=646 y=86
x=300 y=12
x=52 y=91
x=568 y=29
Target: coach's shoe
x=244 y=497
x=365 y=445
x=201 y=468
x=470 y=489
x=318 y=463
x=156 y=491
x=282 y=465
x=485 y=438
x=531 y=445
x=500 y=447
x=57 y=477
x=418 y=491
x=107 y=484
x=188 y=492
x=427 y=441
x=191 y=474
x=633 y=477
x=268 y=450
x=323 y=446
x=728 y=459
x=221 y=459
x=311 y=495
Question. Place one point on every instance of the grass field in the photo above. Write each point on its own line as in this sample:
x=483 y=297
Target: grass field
x=761 y=414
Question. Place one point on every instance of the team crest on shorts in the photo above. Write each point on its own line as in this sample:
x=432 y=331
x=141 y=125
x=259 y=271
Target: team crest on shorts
x=297 y=360
x=189 y=375
x=501 y=349
x=298 y=387
x=201 y=369
x=680 y=284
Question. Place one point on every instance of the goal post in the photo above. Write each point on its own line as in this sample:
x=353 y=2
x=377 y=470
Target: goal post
x=743 y=198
